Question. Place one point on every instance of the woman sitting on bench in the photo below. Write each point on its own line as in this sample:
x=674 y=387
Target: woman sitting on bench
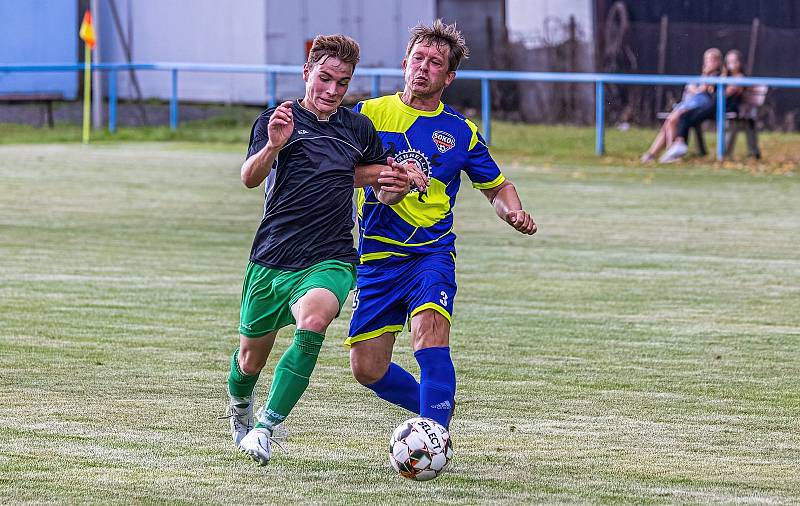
x=695 y=97
x=695 y=117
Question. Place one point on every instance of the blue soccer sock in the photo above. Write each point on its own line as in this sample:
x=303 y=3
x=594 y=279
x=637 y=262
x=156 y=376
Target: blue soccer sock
x=399 y=387
x=437 y=383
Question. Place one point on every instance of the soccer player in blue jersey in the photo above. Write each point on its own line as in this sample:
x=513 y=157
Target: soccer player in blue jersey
x=302 y=263
x=407 y=250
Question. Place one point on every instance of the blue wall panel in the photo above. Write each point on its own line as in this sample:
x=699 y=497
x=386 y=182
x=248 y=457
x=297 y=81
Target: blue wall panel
x=39 y=31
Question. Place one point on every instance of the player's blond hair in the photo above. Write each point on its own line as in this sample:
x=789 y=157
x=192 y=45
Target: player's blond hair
x=441 y=34
x=337 y=46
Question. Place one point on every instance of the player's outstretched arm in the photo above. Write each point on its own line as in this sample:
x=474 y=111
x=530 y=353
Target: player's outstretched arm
x=256 y=168
x=508 y=207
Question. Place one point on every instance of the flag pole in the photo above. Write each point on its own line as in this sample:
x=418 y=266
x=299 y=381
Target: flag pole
x=86 y=34
x=87 y=91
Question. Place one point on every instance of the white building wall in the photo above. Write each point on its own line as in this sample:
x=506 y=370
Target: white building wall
x=380 y=27
x=537 y=23
x=195 y=31
x=252 y=32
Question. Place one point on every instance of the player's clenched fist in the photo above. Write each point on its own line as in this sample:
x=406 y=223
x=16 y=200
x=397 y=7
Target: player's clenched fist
x=521 y=221
x=281 y=125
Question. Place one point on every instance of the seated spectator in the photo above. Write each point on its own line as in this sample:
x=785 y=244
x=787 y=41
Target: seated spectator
x=733 y=68
x=695 y=96
x=694 y=117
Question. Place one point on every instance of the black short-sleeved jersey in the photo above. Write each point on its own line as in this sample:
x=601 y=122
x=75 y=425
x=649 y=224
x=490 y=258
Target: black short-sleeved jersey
x=308 y=202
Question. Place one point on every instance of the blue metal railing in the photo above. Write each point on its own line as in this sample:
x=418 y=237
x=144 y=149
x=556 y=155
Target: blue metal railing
x=485 y=77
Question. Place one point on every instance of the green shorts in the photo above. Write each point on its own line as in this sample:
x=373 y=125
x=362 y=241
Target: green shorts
x=268 y=294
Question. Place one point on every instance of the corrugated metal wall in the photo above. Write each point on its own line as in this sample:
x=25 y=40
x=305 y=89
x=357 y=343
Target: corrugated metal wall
x=381 y=29
x=39 y=31
x=197 y=31
x=252 y=32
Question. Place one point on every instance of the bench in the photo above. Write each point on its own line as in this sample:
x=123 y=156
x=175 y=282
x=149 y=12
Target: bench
x=46 y=99
x=744 y=119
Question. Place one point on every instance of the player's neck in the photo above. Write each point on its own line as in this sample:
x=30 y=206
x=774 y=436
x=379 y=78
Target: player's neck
x=306 y=104
x=421 y=103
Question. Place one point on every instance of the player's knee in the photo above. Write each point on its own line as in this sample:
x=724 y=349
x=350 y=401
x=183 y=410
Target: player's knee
x=314 y=322
x=251 y=362
x=366 y=374
x=366 y=371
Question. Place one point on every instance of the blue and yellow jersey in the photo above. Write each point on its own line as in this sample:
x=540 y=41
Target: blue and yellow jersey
x=441 y=143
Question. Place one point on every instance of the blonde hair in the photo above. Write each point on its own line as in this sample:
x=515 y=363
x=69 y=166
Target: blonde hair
x=440 y=34
x=337 y=46
x=717 y=54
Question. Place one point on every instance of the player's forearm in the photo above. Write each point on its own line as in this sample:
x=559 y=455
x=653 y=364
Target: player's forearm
x=506 y=199
x=256 y=168
x=389 y=183
x=367 y=175
x=388 y=198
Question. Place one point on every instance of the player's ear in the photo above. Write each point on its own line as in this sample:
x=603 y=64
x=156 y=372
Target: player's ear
x=306 y=71
x=449 y=79
x=404 y=64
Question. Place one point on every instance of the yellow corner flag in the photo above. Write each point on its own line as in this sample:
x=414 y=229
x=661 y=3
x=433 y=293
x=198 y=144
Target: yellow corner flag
x=87 y=30
x=86 y=34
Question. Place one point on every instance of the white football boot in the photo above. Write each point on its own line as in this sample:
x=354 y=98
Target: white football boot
x=240 y=417
x=257 y=444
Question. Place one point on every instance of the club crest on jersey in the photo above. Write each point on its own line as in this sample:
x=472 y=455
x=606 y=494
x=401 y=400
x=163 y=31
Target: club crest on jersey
x=444 y=141
x=417 y=158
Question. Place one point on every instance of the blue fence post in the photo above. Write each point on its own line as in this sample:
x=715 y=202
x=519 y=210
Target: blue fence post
x=599 y=119
x=272 y=86
x=720 y=122
x=486 y=111
x=173 y=102
x=112 y=101
x=376 y=85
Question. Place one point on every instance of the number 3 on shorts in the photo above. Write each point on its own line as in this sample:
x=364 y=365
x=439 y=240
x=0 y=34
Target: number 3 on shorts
x=443 y=298
x=355 y=299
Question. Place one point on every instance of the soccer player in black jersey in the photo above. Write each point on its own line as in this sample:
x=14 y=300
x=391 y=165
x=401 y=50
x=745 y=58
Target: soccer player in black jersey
x=302 y=263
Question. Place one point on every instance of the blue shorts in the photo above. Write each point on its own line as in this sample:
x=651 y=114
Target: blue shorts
x=696 y=101
x=392 y=290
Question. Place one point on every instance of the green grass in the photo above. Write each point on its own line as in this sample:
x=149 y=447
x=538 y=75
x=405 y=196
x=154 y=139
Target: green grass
x=563 y=145
x=546 y=145
x=641 y=348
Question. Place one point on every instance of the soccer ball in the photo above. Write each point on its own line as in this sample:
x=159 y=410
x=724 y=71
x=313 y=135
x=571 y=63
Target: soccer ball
x=420 y=449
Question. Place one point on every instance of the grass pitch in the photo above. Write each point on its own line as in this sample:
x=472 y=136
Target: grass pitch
x=641 y=348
